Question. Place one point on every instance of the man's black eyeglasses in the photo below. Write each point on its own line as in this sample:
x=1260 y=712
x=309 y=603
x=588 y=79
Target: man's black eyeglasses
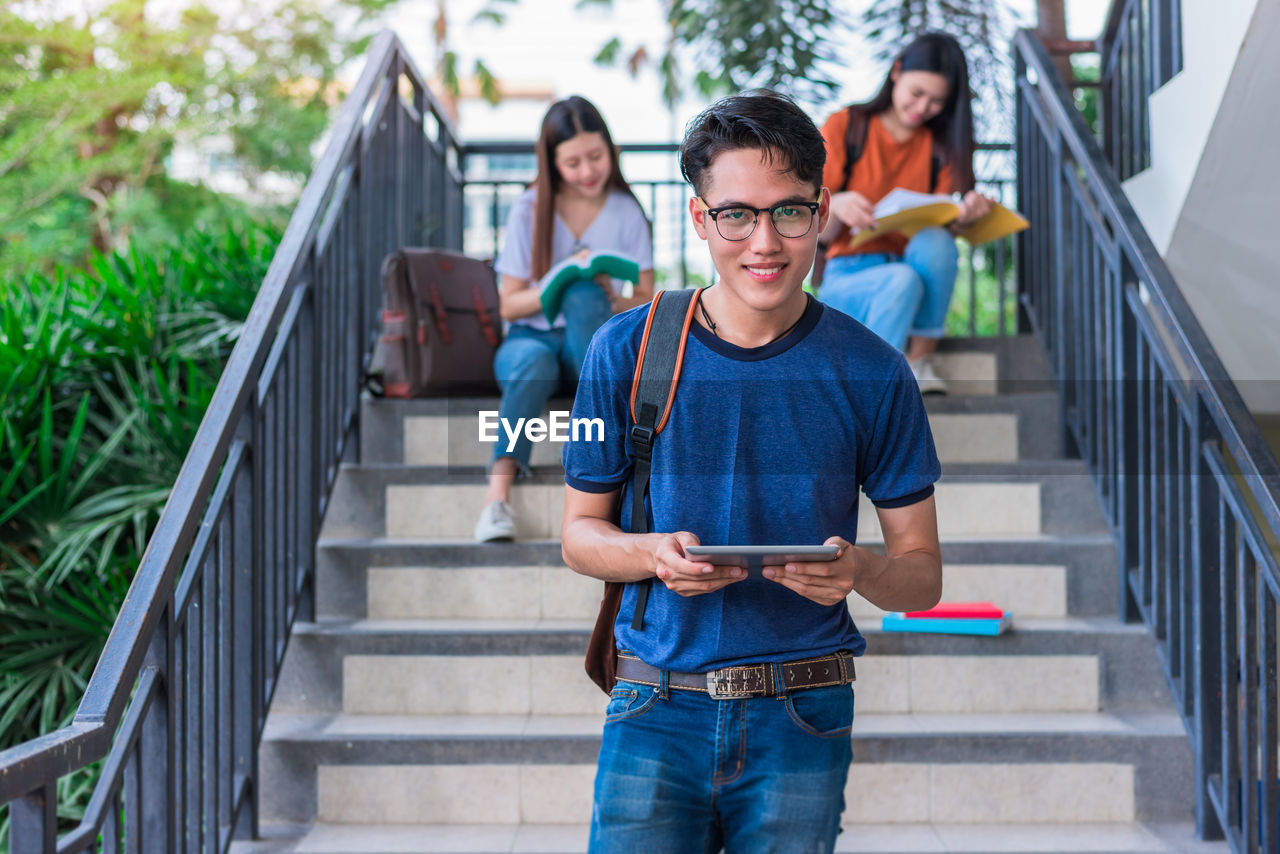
x=737 y=222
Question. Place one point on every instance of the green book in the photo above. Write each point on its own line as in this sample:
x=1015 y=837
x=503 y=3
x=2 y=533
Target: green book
x=571 y=270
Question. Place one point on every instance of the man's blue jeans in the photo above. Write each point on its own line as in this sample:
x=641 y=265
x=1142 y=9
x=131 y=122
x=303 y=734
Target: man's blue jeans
x=532 y=364
x=896 y=297
x=683 y=773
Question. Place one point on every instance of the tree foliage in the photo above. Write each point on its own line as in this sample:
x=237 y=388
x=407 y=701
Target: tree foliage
x=94 y=97
x=787 y=45
x=800 y=47
x=984 y=29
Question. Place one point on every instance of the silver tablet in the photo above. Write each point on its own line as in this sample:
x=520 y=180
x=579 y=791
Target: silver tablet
x=760 y=556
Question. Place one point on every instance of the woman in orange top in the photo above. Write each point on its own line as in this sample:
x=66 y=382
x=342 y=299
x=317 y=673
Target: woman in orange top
x=916 y=133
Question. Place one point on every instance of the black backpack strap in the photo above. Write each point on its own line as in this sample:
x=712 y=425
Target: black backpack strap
x=653 y=390
x=855 y=142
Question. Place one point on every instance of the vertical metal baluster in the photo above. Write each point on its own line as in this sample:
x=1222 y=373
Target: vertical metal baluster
x=1098 y=376
x=193 y=642
x=179 y=690
x=284 y=544
x=157 y=781
x=1186 y=583
x=1152 y=508
x=226 y=655
x=973 y=290
x=110 y=827
x=193 y=750
x=211 y=779
x=1230 y=663
x=33 y=821
x=266 y=540
x=1007 y=303
x=309 y=488
x=250 y=509
x=279 y=532
x=1206 y=614
x=1247 y=602
x=1145 y=432
x=1169 y=508
x=1267 y=741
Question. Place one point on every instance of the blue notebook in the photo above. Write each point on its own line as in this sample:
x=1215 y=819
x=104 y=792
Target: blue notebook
x=896 y=621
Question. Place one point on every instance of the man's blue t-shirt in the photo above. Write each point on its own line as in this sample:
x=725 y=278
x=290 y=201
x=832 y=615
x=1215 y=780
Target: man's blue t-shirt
x=763 y=446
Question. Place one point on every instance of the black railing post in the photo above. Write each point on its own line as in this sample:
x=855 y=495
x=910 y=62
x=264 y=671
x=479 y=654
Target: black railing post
x=395 y=163
x=33 y=821
x=246 y=643
x=1023 y=263
x=1130 y=465
x=157 y=768
x=1207 y=622
x=1058 y=226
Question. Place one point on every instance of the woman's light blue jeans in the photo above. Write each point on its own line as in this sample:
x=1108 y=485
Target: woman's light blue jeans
x=896 y=297
x=533 y=364
x=683 y=773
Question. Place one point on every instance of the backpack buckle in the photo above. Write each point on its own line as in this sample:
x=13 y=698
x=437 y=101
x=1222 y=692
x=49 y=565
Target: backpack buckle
x=642 y=436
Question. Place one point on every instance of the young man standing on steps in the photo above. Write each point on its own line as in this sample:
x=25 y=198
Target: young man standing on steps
x=729 y=724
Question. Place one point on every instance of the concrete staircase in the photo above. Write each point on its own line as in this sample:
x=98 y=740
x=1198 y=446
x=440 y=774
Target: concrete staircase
x=438 y=701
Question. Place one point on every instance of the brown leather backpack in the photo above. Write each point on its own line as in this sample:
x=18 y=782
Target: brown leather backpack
x=440 y=324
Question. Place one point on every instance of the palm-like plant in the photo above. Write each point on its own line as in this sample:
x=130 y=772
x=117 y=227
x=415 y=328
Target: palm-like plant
x=105 y=375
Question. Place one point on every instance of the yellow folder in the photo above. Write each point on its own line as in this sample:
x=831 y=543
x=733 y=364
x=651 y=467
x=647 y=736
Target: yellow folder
x=906 y=212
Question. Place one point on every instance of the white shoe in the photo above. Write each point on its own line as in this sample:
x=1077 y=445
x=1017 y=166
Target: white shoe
x=497 y=522
x=926 y=378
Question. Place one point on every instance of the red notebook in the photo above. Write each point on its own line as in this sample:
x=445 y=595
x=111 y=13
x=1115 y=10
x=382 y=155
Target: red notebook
x=961 y=611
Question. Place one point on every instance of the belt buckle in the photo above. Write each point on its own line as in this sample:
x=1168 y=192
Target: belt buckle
x=736 y=683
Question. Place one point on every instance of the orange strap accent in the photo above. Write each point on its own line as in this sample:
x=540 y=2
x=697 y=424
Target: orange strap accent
x=675 y=374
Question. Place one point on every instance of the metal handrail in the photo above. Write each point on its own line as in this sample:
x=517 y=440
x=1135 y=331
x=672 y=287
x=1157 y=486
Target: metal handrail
x=231 y=556
x=1232 y=417
x=1140 y=49
x=1186 y=479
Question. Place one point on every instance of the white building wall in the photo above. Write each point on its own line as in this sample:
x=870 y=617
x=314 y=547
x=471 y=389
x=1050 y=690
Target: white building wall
x=1224 y=251
x=1183 y=111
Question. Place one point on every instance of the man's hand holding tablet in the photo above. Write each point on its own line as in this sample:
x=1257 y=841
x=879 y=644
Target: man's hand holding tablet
x=822 y=573
x=755 y=558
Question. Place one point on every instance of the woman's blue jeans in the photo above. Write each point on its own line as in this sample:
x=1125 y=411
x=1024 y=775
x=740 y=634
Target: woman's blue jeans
x=683 y=773
x=533 y=364
x=896 y=297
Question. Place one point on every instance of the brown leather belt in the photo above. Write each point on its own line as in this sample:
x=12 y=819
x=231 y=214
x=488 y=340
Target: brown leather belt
x=746 y=680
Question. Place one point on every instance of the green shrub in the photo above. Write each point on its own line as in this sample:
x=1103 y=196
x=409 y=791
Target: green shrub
x=105 y=374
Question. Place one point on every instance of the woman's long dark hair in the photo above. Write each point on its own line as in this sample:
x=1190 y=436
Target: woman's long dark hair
x=564 y=120
x=952 y=128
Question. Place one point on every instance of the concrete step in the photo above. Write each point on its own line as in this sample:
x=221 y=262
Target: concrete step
x=444 y=511
x=550 y=592
x=445 y=432
x=383 y=666
x=1029 y=575
x=554 y=684
x=539 y=769
x=454 y=441
x=880 y=838
x=979 y=501
x=1001 y=370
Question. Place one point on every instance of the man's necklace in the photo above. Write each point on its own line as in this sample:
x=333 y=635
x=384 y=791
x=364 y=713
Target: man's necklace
x=711 y=324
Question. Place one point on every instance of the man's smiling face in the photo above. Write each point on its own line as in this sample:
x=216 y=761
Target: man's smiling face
x=765 y=271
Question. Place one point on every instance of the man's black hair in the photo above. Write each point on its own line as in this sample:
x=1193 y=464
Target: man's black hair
x=760 y=119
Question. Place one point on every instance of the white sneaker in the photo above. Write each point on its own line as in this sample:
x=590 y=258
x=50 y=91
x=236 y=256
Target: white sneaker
x=926 y=378
x=497 y=522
